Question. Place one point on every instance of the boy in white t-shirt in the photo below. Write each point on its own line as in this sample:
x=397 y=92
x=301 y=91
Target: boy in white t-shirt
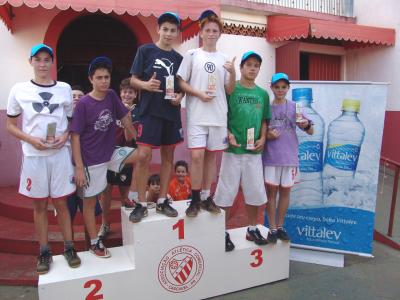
x=206 y=76
x=45 y=106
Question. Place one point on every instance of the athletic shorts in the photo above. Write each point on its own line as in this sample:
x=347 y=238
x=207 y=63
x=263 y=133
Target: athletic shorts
x=240 y=169
x=74 y=202
x=122 y=178
x=212 y=138
x=155 y=132
x=281 y=176
x=47 y=176
x=96 y=175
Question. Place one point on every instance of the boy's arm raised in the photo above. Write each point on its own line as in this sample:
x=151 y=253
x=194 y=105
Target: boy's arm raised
x=230 y=67
x=152 y=85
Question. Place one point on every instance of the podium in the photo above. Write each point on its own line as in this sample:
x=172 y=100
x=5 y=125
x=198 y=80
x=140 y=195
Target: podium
x=169 y=258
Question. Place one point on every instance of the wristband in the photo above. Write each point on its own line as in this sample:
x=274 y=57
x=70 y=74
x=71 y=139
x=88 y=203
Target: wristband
x=308 y=126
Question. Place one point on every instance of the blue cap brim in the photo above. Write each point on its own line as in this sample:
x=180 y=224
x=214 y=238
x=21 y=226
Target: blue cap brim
x=248 y=55
x=41 y=47
x=206 y=14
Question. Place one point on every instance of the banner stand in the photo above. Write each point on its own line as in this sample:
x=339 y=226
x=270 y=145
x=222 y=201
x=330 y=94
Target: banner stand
x=317 y=257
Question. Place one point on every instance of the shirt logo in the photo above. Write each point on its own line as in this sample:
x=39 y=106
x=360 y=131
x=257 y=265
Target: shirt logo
x=164 y=63
x=38 y=107
x=209 y=67
x=104 y=120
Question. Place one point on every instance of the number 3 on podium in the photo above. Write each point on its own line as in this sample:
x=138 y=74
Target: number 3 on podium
x=258 y=259
x=180 y=225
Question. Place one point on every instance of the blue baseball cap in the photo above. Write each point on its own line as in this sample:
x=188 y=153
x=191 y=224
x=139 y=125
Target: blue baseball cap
x=41 y=47
x=206 y=14
x=249 y=54
x=279 y=76
x=100 y=60
x=163 y=17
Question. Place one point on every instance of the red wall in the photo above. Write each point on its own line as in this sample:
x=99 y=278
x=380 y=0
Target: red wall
x=391 y=136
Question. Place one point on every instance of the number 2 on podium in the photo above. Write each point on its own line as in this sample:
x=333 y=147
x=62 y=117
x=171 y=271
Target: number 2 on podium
x=97 y=287
x=180 y=225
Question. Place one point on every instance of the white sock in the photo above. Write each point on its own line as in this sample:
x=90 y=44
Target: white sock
x=161 y=200
x=144 y=204
x=252 y=227
x=133 y=196
x=204 y=194
x=94 y=241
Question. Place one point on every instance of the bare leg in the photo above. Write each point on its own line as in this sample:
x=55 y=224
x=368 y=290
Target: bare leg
x=284 y=196
x=40 y=219
x=252 y=212
x=196 y=172
x=272 y=192
x=123 y=191
x=88 y=215
x=209 y=169
x=227 y=214
x=142 y=170
x=63 y=218
x=105 y=201
x=167 y=161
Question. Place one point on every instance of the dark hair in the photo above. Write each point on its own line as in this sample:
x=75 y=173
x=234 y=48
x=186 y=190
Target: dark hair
x=153 y=179
x=169 y=19
x=126 y=84
x=181 y=163
x=99 y=65
x=77 y=87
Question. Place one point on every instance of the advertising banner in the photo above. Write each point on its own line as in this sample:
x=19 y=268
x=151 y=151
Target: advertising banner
x=333 y=203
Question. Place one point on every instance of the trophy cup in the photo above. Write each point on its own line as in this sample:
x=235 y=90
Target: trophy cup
x=250 y=139
x=299 y=112
x=212 y=84
x=169 y=87
x=51 y=134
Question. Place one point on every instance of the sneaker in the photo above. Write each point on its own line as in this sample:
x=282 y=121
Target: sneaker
x=229 y=246
x=99 y=250
x=256 y=237
x=104 y=230
x=210 y=206
x=166 y=209
x=72 y=258
x=193 y=209
x=138 y=213
x=283 y=235
x=43 y=262
x=272 y=236
x=128 y=204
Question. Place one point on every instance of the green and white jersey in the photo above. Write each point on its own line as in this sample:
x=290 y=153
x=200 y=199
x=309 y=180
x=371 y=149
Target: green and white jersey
x=247 y=108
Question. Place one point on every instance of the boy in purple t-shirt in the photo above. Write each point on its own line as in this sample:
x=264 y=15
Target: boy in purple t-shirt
x=93 y=143
x=280 y=157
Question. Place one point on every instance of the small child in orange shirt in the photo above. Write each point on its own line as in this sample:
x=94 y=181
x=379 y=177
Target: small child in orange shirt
x=180 y=187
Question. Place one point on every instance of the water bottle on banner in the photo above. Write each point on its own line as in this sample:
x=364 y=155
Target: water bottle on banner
x=308 y=192
x=345 y=137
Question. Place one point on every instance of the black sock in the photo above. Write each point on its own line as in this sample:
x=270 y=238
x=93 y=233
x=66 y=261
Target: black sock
x=195 y=195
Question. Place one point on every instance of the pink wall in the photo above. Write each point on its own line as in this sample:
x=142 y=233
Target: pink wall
x=391 y=141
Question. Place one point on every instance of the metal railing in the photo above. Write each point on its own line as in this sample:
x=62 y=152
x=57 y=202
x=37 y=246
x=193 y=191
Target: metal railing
x=342 y=8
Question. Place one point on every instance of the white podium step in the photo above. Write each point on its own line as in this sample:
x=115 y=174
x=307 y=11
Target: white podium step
x=170 y=258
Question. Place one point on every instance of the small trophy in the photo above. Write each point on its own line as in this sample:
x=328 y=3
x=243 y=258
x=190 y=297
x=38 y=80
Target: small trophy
x=212 y=84
x=169 y=87
x=51 y=133
x=250 y=139
x=299 y=112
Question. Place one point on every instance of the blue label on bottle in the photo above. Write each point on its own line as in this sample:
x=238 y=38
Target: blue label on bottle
x=310 y=156
x=342 y=157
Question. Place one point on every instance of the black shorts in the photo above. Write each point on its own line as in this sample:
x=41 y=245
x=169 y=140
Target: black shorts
x=122 y=178
x=74 y=202
x=155 y=132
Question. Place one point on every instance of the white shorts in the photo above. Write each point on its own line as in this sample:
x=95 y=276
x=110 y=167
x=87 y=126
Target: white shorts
x=212 y=138
x=236 y=170
x=47 y=176
x=96 y=175
x=281 y=176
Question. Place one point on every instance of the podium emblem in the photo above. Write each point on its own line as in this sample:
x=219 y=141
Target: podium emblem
x=180 y=269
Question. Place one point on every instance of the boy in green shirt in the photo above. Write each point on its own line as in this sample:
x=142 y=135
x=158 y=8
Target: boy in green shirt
x=248 y=116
